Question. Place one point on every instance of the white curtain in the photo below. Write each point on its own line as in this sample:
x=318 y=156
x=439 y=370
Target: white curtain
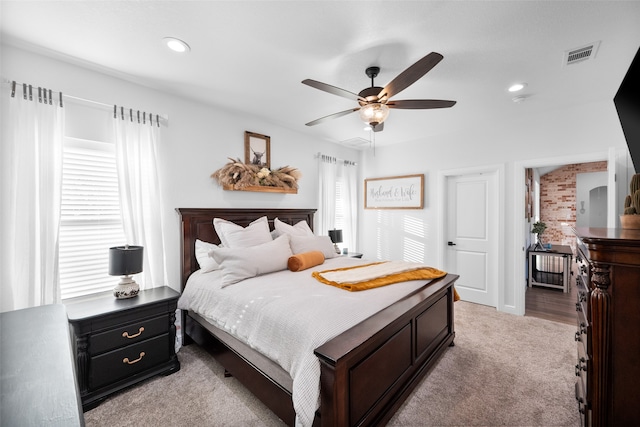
x=331 y=172
x=140 y=196
x=326 y=194
x=30 y=213
x=350 y=188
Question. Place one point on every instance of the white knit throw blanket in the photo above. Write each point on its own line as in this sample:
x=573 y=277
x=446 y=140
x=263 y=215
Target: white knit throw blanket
x=370 y=272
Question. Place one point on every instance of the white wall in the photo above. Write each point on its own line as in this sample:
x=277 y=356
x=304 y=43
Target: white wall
x=199 y=139
x=196 y=142
x=575 y=132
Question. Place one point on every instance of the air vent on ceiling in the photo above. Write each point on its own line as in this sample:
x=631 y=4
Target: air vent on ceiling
x=355 y=142
x=581 y=54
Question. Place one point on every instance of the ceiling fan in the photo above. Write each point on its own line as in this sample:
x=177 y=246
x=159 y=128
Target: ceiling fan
x=374 y=102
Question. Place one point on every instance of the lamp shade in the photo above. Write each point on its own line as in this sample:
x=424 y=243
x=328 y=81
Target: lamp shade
x=374 y=113
x=335 y=236
x=125 y=260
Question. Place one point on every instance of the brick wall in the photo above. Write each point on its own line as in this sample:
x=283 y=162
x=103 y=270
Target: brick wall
x=558 y=201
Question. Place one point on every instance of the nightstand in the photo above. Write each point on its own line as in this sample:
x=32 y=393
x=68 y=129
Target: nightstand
x=120 y=342
x=353 y=255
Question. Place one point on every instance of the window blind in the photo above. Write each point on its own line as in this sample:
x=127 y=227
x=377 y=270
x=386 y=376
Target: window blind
x=90 y=221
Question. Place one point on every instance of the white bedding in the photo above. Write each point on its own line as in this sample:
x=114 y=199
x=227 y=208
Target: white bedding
x=287 y=315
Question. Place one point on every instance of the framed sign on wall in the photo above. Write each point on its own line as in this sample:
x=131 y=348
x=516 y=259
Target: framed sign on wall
x=395 y=192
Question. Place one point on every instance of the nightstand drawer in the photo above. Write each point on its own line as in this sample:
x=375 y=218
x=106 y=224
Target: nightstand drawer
x=125 y=362
x=128 y=334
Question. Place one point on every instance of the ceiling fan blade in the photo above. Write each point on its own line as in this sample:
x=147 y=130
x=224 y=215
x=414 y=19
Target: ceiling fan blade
x=420 y=104
x=332 y=116
x=333 y=90
x=379 y=127
x=410 y=75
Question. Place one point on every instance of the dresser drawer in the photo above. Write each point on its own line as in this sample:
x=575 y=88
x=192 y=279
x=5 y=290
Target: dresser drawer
x=127 y=334
x=583 y=364
x=582 y=406
x=582 y=336
x=110 y=367
x=582 y=301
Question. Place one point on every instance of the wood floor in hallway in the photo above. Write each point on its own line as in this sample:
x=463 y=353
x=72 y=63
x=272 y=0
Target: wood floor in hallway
x=551 y=304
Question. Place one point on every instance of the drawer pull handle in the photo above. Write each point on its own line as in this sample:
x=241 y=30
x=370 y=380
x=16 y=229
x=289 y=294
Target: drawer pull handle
x=126 y=359
x=125 y=334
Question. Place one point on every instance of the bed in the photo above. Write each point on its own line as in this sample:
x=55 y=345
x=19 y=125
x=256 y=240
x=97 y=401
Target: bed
x=366 y=372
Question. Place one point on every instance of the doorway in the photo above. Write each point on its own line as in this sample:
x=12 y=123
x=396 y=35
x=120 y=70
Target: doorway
x=559 y=207
x=471 y=233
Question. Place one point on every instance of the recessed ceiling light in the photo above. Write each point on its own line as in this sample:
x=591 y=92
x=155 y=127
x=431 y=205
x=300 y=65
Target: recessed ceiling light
x=517 y=87
x=176 y=45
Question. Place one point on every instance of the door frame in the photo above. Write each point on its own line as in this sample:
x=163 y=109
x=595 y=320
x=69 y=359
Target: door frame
x=499 y=188
x=519 y=276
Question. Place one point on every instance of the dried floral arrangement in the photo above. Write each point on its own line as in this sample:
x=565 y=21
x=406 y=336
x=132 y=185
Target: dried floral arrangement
x=239 y=175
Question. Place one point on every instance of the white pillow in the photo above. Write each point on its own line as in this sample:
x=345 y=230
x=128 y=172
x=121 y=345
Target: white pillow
x=299 y=229
x=234 y=236
x=205 y=262
x=242 y=263
x=300 y=244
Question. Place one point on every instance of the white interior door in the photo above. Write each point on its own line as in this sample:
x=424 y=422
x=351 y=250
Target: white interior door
x=472 y=204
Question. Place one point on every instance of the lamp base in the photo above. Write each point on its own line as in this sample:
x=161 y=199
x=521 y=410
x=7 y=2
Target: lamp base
x=127 y=288
x=337 y=249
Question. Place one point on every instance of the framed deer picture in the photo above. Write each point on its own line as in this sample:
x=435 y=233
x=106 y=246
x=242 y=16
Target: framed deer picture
x=257 y=149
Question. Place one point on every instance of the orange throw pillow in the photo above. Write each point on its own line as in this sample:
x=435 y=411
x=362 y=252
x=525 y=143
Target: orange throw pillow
x=305 y=260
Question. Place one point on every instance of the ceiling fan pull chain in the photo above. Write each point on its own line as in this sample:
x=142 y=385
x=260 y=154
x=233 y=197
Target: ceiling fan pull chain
x=372 y=141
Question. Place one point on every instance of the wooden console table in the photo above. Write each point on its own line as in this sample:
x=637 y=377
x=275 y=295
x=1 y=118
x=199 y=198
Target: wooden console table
x=550 y=268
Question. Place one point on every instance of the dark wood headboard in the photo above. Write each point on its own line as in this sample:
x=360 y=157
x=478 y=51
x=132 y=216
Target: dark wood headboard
x=197 y=223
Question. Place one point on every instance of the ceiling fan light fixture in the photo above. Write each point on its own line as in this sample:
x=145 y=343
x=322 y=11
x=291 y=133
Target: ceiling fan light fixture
x=516 y=87
x=374 y=113
x=176 y=45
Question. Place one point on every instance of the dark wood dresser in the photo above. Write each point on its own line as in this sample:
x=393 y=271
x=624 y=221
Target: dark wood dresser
x=120 y=342
x=608 y=336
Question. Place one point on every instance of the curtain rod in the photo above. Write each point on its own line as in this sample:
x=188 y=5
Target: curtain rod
x=111 y=107
x=318 y=154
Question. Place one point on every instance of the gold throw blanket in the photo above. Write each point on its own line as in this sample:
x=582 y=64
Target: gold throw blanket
x=368 y=276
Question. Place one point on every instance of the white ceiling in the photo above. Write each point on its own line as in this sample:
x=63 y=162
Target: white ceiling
x=250 y=56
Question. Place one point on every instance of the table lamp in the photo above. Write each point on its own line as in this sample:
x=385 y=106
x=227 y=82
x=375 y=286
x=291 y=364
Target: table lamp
x=336 y=237
x=124 y=261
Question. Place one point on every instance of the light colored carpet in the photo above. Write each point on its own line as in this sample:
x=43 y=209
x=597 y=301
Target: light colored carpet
x=504 y=370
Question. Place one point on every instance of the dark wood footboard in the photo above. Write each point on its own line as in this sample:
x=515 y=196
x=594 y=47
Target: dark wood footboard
x=369 y=370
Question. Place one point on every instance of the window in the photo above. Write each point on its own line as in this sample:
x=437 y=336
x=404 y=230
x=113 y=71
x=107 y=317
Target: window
x=343 y=211
x=339 y=219
x=337 y=198
x=90 y=220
